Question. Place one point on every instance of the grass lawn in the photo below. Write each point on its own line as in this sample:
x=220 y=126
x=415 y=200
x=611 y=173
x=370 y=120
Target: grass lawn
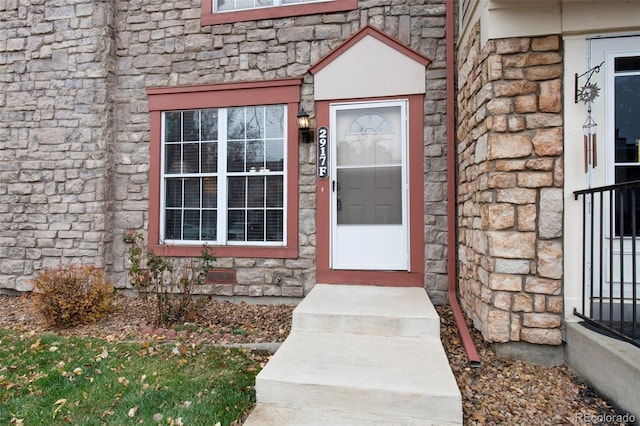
x=51 y=380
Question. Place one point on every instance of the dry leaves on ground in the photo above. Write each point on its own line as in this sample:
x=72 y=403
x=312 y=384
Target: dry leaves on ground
x=511 y=392
x=500 y=392
x=220 y=322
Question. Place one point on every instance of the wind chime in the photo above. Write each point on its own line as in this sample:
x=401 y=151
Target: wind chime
x=587 y=93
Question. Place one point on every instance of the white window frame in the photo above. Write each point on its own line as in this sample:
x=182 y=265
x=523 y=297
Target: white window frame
x=276 y=3
x=222 y=176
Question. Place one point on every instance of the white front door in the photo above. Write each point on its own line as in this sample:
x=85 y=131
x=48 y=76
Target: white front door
x=369 y=203
x=617 y=112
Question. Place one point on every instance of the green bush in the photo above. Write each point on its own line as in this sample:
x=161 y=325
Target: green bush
x=72 y=295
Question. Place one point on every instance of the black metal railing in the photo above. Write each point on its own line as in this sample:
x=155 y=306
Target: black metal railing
x=610 y=259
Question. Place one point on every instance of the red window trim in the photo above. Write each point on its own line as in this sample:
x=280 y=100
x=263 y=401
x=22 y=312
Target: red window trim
x=225 y=95
x=210 y=18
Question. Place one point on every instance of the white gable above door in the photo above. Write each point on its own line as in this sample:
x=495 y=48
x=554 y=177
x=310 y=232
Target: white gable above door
x=369 y=64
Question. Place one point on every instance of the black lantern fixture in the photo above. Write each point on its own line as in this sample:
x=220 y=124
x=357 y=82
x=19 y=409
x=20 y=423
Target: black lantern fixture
x=304 y=126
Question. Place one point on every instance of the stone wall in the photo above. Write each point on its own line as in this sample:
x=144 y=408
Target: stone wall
x=56 y=124
x=77 y=61
x=510 y=201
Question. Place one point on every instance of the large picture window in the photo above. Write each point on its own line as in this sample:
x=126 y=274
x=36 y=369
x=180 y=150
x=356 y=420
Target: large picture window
x=224 y=172
x=224 y=168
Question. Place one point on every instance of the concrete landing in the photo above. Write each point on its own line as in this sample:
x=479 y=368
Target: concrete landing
x=609 y=365
x=359 y=355
x=371 y=310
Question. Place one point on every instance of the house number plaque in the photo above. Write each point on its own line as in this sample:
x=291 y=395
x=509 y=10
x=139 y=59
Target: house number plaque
x=323 y=152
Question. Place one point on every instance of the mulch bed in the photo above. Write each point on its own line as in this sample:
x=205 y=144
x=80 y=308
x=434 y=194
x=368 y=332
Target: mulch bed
x=499 y=392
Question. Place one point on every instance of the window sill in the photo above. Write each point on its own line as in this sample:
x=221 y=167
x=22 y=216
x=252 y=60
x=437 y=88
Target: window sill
x=210 y=18
x=226 y=251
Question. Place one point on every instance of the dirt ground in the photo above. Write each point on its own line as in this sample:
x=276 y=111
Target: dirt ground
x=500 y=392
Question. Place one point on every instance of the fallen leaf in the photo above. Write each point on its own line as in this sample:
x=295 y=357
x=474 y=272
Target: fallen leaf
x=103 y=355
x=60 y=403
x=132 y=411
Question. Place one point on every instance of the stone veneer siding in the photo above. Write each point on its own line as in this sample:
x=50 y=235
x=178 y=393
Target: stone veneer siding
x=510 y=202
x=57 y=64
x=74 y=123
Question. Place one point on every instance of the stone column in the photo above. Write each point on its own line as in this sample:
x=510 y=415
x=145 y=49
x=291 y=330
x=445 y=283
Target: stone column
x=510 y=199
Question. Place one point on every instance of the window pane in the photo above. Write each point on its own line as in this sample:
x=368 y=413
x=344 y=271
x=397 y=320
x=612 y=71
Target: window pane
x=236 y=225
x=190 y=126
x=224 y=5
x=627 y=108
x=209 y=158
x=370 y=195
x=369 y=137
x=192 y=192
x=275 y=155
x=255 y=155
x=255 y=191
x=210 y=192
x=172 y=126
x=172 y=158
x=275 y=122
x=255 y=121
x=236 y=192
x=275 y=193
x=191 y=158
x=255 y=225
x=209 y=119
x=627 y=63
x=173 y=193
x=274 y=225
x=173 y=224
x=209 y=225
x=235 y=123
x=627 y=202
x=235 y=156
x=191 y=229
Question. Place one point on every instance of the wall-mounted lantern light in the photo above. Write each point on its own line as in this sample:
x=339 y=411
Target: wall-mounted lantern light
x=304 y=127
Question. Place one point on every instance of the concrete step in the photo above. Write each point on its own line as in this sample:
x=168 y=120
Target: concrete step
x=361 y=376
x=273 y=415
x=355 y=309
x=359 y=356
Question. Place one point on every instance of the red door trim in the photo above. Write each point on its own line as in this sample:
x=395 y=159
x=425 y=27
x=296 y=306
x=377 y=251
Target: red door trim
x=415 y=276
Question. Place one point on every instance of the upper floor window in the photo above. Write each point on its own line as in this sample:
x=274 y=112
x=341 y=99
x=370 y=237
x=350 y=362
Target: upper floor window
x=230 y=11
x=227 y=5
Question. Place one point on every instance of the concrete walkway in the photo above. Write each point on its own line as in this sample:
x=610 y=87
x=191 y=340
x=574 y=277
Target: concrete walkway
x=359 y=355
